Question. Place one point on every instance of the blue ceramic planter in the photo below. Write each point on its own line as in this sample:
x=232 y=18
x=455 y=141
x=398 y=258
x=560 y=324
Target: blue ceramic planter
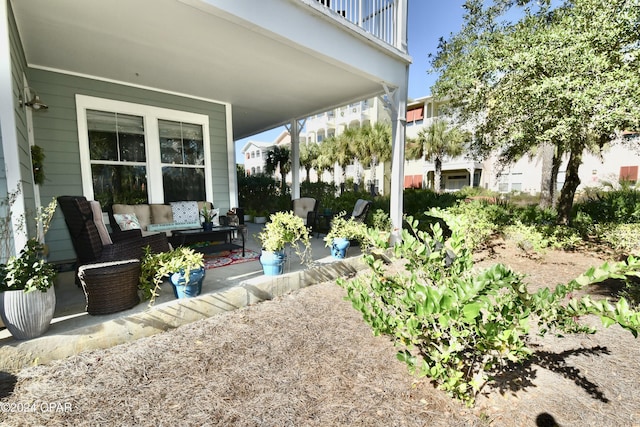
x=272 y=262
x=339 y=247
x=188 y=289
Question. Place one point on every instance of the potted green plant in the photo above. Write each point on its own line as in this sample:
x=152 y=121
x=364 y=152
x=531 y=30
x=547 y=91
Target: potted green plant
x=260 y=217
x=207 y=216
x=183 y=266
x=283 y=228
x=27 y=295
x=251 y=214
x=344 y=230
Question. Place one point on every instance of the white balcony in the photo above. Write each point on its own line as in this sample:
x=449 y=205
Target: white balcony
x=377 y=17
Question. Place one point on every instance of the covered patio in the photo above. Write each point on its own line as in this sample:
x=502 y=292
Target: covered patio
x=232 y=69
x=225 y=288
x=226 y=69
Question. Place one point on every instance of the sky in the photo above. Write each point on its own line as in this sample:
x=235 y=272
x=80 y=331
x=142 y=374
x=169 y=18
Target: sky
x=428 y=21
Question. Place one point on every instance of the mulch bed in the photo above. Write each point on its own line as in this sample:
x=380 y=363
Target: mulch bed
x=308 y=359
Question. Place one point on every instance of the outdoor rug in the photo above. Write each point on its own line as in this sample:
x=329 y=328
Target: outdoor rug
x=225 y=258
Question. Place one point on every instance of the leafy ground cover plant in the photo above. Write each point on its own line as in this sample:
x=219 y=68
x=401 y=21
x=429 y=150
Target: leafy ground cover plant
x=457 y=325
x=539 y=237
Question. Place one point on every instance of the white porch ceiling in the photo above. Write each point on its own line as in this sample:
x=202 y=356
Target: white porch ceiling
x=193 y=48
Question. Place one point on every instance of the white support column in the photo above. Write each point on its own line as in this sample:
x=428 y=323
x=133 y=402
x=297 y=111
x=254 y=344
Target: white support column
x=397 y=102
x=231 y=160
x=9 y=135
x=398 y=123
x=294 y=131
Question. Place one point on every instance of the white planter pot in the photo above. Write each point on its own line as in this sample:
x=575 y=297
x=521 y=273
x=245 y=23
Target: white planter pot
x=260 y=219
x=27 y=315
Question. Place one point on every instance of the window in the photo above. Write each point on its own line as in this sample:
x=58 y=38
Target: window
x=182 y=156
x=503 y=183
x=118 y=156
x=516 y=181
x=133 y=153
x=629 y=173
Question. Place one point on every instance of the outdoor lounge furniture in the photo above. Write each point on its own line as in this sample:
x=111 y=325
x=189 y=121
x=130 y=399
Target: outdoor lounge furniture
x=322 y=222
x=111 y=286
x=157 y=217
x=306 y=208
x=91 y=241
x=361 y=209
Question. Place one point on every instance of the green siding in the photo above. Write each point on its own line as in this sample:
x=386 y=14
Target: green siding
x=56 y=132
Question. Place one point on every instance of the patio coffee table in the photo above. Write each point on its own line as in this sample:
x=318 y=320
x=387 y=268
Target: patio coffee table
x=222 y=234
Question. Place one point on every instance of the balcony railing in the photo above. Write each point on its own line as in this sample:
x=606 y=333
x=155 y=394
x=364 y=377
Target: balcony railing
x=377 y=17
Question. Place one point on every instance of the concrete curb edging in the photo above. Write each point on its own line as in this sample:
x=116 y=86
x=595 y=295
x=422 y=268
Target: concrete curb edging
x=167 y=316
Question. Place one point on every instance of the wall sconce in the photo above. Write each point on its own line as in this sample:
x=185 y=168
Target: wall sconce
x=35 y=102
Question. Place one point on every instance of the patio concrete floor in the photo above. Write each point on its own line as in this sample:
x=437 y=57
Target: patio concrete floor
x=224 y=289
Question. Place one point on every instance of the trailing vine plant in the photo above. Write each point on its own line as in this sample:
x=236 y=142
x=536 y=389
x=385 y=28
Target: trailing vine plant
x=457 y=325
x=37 y=162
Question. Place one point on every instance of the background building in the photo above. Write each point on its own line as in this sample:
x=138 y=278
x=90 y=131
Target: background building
x=617 y=160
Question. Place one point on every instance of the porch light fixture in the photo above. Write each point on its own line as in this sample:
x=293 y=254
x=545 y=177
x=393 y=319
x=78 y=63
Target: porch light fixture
x=35 y=102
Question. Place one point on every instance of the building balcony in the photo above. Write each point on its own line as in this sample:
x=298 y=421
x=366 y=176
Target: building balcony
x=376 y=17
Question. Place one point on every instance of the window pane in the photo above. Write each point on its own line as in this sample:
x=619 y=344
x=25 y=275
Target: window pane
x=170 y=142
x=181 y=143
x=103 y=141
x=131 y=138
x=119 y=184
x=193 y=144
x=115 y=137
x=183 y=184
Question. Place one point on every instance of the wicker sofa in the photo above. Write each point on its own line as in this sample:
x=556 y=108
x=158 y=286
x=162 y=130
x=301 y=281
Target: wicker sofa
x=155 y=218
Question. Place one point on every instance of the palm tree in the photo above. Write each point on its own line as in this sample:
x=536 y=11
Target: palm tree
x=374 y=147
x=279 y=158
x=436 y=142
x=343 y=151
x=309 y=153
x=326 y=159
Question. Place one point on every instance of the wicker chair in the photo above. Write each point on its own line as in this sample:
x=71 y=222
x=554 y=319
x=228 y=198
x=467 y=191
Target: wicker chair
x=88 y=244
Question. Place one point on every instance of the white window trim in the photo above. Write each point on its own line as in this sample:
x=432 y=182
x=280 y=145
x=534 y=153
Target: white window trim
x=150 y=116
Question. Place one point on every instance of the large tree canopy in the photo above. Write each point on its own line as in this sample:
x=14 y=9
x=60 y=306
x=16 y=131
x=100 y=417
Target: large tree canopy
x=564 y=75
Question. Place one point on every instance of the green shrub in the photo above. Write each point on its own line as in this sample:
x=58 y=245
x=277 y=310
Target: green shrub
x=624 y=238
x=458 y=326
x=416 y=202
x=478 y=219
x=346 y=201
x=538 y=238
x=380 y=220
x=322 y=191
x=466 y=192
x=619 y=206
x=257 y=192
